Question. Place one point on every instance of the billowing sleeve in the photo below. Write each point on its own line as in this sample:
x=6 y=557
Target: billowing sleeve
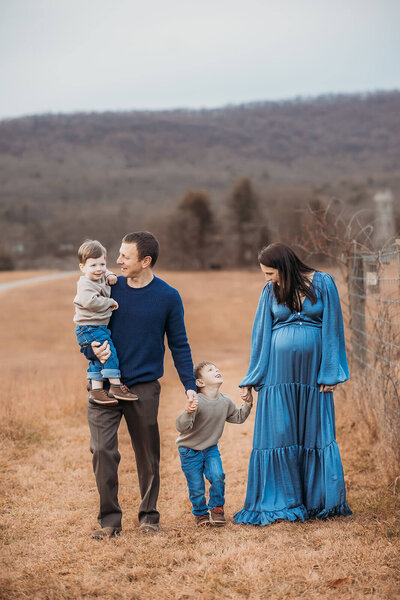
x=334 y=368
x=260 y=342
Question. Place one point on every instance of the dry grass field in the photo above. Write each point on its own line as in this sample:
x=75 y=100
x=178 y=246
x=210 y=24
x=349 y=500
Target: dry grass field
x=48 y=499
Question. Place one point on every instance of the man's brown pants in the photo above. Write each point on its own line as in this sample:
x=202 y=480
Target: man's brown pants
x=141 y=419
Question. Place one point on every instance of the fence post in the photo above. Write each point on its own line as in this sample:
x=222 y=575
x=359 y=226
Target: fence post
x=356 y=289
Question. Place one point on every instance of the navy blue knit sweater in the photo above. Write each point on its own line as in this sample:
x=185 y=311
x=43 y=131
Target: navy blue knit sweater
x=138 y=329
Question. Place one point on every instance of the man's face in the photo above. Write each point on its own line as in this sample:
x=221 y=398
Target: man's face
x=209 y=375
x=94 y=268
x=128 y=258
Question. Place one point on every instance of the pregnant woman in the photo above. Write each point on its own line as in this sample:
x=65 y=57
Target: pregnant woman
x=297 y=358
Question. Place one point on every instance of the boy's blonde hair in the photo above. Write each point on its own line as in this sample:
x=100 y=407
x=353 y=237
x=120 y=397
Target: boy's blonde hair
x=90 y=249
x=198 y=369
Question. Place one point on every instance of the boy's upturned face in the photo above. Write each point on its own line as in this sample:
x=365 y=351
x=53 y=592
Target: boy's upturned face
x=209 y=375
x=94 y=268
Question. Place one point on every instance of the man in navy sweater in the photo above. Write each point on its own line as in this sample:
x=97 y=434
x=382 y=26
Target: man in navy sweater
x=148 y=309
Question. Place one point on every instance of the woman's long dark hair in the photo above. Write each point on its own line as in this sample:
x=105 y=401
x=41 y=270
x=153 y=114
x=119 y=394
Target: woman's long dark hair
x=293 y=282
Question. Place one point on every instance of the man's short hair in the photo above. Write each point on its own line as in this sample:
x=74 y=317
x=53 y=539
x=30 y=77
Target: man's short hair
x=90 y=249
x=146 y=243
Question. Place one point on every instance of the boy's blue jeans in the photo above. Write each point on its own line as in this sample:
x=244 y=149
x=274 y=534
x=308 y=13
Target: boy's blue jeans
x=199 y=463
x=86 y=334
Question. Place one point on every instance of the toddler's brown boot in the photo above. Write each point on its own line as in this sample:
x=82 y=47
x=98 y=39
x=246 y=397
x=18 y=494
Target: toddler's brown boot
x=101 y=397
x=121 y=392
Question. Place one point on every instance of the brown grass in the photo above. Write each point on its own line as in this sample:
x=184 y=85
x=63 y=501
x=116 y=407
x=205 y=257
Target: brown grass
x=49 y=501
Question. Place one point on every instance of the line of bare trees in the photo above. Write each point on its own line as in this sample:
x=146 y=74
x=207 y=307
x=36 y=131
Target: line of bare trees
x=197 y=236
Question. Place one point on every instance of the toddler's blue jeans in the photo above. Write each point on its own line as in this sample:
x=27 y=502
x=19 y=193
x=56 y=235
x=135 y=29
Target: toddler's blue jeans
x=199 y=463
x=86 y=334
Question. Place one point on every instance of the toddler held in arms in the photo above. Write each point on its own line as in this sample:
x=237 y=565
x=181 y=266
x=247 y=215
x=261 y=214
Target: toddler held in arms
x=93 y=308
x=201 y=424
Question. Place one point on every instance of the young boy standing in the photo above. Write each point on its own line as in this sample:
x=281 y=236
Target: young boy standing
x=201 y=424
x=93 y=308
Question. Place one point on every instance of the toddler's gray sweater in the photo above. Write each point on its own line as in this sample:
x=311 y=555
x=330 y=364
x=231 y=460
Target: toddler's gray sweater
x=203 y=428
x=92 y=301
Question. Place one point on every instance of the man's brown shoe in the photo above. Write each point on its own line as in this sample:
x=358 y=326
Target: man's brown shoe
x=101 y=397
x=106 y=532
x=202 y=520
x=122 y=393
x=217 y=516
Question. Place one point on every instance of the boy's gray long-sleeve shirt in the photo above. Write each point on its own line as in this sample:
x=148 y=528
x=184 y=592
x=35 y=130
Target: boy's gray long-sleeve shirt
x=203 y=428
x=92 y=301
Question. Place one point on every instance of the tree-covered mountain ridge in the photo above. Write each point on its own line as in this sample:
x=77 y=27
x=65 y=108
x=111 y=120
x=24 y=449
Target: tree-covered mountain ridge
x=353 y=131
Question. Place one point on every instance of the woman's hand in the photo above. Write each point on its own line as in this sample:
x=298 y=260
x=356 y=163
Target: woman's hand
x=327 y=388
x=245 y=392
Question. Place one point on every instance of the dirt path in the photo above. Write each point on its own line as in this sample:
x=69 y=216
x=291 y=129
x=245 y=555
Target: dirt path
x=48 y=499
x=16 y=282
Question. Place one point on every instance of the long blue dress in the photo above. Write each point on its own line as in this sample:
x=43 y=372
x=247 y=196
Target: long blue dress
x=295 y=470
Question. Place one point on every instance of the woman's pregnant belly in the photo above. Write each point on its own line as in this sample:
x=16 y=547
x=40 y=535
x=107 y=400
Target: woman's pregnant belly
x=295 y=355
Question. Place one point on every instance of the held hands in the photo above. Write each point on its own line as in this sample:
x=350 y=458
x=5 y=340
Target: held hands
x=246 y=394
x=102 y=351
x=111 y=279
x=327 y=388
x=191 y=406
x=192 y=402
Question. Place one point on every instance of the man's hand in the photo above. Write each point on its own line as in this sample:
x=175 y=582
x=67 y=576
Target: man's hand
x=327 y=388
x=111 y=279
x=191 y=406
x=191 y=394
x=115 y=305
x=245 y=392
x=102 y=351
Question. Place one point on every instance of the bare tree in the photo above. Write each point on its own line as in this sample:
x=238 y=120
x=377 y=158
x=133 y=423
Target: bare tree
x=191 y=229
x=247 y=227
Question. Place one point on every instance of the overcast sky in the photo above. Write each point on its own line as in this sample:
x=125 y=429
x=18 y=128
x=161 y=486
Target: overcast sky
x=84 y=55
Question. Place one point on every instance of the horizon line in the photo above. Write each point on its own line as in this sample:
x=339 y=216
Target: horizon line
x=229 y=105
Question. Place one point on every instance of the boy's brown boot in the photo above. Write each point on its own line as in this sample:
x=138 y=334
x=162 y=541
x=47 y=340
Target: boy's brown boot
x=121 y=392
x=202 y=520
x=217 y=516
x=101 y=397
